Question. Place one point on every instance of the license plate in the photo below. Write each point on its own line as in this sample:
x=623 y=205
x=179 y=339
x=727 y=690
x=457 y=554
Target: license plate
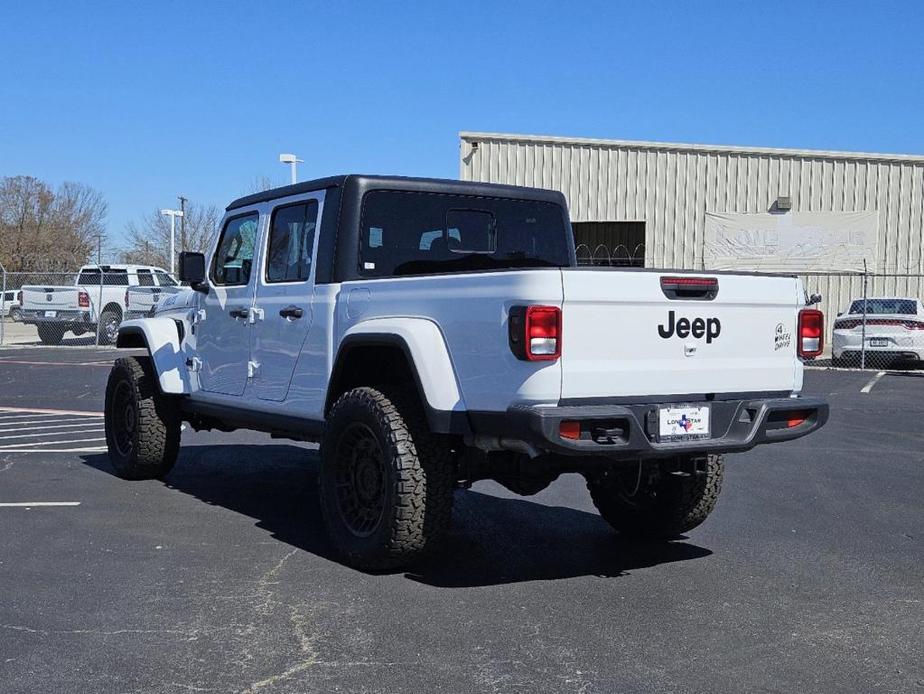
x=683 y=422
x=878 y=342
x=51 y=314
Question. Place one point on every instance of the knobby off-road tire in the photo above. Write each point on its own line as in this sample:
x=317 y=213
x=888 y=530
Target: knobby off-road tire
x=50 y=333
x=673 y=506
x=385 y=482
x=142 y=424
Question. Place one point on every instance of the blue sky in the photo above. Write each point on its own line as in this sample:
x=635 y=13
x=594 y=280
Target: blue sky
x=146 y=100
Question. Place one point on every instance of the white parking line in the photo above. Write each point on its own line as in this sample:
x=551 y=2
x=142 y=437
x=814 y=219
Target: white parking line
x=5 y=449
x=98 y=449
x=873 y=381
x=82 y=430
x=33 y=504
x=32 y=410
x=52 y=424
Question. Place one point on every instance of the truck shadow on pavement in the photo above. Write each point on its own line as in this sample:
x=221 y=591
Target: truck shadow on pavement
x=493 y=540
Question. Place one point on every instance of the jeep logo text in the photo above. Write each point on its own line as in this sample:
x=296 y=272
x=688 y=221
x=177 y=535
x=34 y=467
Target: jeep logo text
x=710 y=328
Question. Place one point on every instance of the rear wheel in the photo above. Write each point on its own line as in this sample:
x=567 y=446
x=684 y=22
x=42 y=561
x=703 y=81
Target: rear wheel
x=109 y=323
x=385 y=481
x=50 y=333
x=653 y=503
x=142 y=426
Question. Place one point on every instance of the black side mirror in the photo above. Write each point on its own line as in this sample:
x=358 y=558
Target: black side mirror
x=192 y=270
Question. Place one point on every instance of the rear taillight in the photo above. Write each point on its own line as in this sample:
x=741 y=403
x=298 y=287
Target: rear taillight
x=534 y=332
x=126 y=298
x=19 y=297
x=811 y=332
x=83 y=300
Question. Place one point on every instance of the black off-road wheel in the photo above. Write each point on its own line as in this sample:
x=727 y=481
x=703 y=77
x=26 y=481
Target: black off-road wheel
x=142 y=424
x=50 y=333
x=662 y=508
x=386 y=481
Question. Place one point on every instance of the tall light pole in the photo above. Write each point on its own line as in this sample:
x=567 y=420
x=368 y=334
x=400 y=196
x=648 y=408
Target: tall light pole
x=173 y=214
x=293 y=162
x=183 y=202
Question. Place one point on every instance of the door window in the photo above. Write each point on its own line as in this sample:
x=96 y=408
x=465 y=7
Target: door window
x=234 y=257
x=145 y=278
x=164 y=280
x=291 y=242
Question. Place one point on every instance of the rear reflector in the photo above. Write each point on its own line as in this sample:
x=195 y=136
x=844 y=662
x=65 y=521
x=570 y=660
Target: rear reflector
x=534 y=332
x=794 y=420
x=570 y=430
x=811 y=332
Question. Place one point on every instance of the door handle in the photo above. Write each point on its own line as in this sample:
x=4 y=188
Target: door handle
x=239 y=312
x=293 y=312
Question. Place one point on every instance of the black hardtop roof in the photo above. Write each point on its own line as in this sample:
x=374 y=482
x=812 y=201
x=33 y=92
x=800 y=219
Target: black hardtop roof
x=362 y=183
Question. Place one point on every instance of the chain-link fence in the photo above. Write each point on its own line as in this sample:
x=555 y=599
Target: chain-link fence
x=69 y=308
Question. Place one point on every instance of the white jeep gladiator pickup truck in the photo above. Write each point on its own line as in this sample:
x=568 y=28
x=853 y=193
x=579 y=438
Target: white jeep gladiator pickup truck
x=95 y=299
x=432 y=333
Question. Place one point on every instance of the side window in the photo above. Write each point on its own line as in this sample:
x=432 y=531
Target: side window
x=291 y=242
x=145 y=278
x=164 y=280
x=88 y=277
x=115 y=278
x=234 y=257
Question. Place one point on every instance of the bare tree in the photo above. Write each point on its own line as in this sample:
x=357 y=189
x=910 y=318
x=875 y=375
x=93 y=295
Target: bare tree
x=48 y=230
x=148 y=239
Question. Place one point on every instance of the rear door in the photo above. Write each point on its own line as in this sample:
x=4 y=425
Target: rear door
x=223 y=333
x=284 y=292
x=637 y=334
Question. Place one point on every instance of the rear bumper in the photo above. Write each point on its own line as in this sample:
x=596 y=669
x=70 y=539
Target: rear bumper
x=631 y=431
x=34 y=317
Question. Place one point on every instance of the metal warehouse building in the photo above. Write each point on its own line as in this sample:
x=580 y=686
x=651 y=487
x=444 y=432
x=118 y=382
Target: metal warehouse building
x=828 y=216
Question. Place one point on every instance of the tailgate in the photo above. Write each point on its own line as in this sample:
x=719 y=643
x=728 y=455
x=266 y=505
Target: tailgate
x=625 y=336
x=41 y=298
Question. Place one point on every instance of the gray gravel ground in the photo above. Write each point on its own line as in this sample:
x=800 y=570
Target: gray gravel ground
x=808 y=577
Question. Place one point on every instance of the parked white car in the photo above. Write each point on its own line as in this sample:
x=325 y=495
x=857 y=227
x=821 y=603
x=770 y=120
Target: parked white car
x=434 y=333
x=894 y=330
x=10 y=305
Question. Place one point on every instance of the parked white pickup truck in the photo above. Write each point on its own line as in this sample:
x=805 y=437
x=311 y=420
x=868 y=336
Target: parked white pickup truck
x=97 y=295
x=143 y=300
x=433 y=333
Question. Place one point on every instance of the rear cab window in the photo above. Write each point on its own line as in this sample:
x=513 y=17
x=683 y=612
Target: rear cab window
x=414 y=233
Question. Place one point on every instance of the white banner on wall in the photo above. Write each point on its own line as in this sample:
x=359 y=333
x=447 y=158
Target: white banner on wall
x=791 y=242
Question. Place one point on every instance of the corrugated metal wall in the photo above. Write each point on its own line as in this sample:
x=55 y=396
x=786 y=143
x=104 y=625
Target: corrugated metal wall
x=671 y=187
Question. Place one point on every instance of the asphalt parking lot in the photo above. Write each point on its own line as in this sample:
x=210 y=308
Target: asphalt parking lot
x=808 y=577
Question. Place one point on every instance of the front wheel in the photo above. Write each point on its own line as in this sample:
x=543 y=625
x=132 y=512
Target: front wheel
x=16 y=314
x=385 y=480
x=658 y=503
x=142 y=426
